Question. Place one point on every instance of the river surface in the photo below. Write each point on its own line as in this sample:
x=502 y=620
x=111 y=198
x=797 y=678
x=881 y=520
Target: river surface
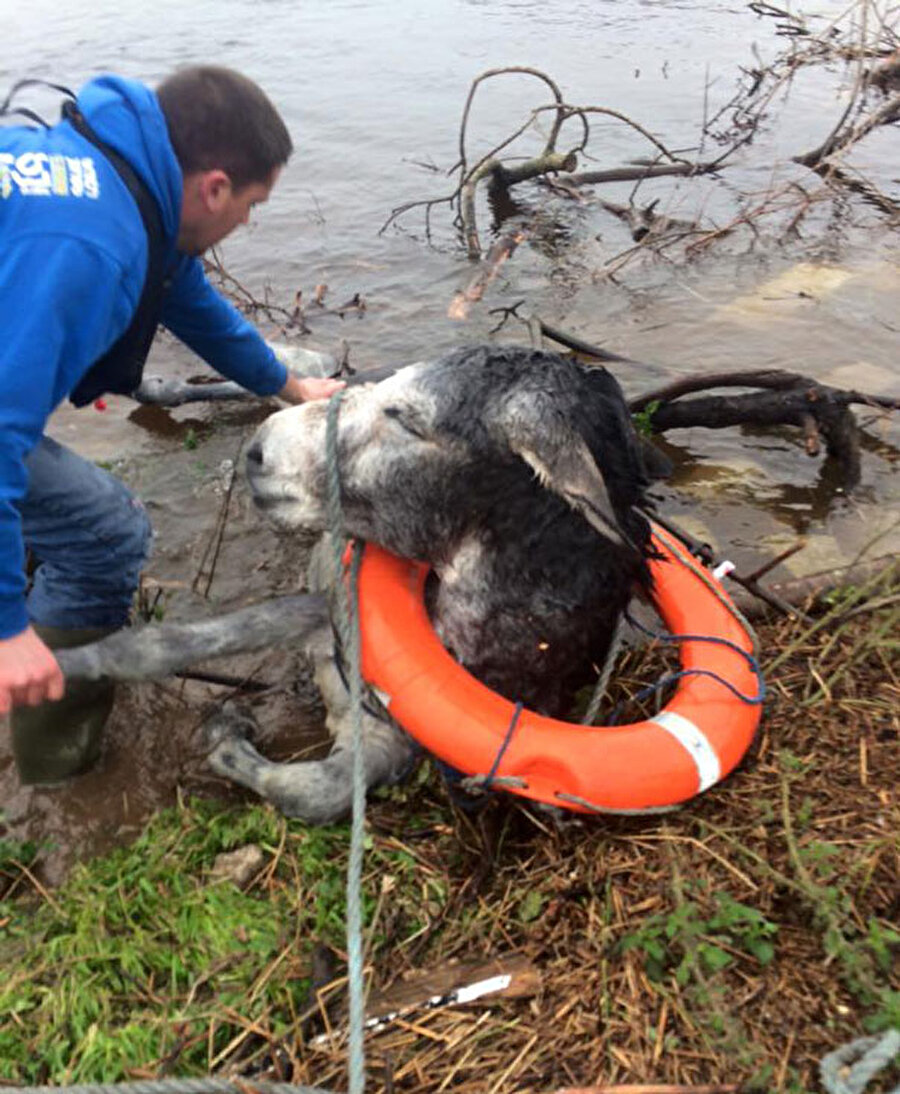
x=373 y=95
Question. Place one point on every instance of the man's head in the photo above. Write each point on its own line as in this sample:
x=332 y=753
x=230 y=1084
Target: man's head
x=231 y=144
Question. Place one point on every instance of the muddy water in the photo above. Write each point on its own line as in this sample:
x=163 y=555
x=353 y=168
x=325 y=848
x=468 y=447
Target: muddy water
x=373 y=95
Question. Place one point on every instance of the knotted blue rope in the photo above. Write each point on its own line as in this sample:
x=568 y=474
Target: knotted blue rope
x=672 y=677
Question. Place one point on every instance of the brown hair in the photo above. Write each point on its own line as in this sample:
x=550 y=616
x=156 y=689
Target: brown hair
x=218 y=118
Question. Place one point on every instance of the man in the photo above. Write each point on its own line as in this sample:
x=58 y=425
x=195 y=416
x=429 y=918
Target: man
x=102 y=219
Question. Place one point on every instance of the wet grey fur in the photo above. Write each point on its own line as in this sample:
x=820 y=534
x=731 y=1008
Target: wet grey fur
x=316 y=791
x=150 y=652
x=518 y=476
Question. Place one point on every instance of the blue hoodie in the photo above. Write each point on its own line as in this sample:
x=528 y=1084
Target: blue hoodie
x=73 y=257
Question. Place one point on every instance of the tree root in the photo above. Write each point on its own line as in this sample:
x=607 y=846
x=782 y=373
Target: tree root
x=788 y=398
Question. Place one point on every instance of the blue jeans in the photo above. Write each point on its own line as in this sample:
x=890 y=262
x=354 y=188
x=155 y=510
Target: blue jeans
x=89 y=535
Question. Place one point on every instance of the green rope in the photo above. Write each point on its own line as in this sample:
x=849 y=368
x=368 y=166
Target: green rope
x=348 y=629
x=602 y=685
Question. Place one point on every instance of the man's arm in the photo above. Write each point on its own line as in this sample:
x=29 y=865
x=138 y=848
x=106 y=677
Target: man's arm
x=213 y=328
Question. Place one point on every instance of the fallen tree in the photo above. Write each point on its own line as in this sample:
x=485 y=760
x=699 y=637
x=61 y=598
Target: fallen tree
x=860 y=40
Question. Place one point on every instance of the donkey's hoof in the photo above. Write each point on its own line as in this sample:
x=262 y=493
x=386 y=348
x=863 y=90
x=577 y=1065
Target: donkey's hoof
x=227 y=726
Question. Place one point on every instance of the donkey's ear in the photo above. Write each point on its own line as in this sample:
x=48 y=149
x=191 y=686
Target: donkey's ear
x=558 y=454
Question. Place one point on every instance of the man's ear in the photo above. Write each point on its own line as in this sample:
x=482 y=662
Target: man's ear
x=214 y=188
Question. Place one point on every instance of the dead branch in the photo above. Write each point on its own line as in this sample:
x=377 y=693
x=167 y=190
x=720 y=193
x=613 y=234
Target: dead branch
x=638 y=173
x=564 y=338
x=501 y=250
x=790 y=597
x=804 y=591
x=787 y=399
x=840 y=139
x=771 y=379
x=846 y=38
x=501 y=178
x=512 y=70
x=836 y=424
x=754 y=595
x=502 y=175
x=580 y=346
x=550 y=161
x=886 y=75
x=644 y=220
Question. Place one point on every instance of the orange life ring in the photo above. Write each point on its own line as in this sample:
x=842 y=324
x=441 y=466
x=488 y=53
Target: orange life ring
x=698 y=738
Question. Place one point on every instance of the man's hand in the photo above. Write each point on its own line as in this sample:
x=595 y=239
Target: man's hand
x=29 y=673
x=303 y=389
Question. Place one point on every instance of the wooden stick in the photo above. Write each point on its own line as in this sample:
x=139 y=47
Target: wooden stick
x=462 y=302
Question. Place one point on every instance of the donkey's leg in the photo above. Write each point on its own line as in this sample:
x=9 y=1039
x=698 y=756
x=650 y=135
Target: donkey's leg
x=152 y=651
x=316 y=791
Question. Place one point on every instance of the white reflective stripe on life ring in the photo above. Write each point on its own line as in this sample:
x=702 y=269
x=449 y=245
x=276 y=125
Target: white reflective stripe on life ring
x=692 y=738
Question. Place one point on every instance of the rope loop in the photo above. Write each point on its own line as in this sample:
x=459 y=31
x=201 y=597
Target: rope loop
x=483 y=784
x=673 y=677
x=849 y=1069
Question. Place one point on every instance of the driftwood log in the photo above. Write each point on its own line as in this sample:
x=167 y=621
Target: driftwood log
x=780 y=397
x=785 y=398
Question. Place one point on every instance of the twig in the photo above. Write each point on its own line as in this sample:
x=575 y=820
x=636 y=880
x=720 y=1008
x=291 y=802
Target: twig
x=473 y=292
x=776 y=561
x=238 y=683
x=215 y=543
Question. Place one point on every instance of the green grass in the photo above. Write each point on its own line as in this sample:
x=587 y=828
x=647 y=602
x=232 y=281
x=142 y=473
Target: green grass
x=141 y=954
x=740 y=939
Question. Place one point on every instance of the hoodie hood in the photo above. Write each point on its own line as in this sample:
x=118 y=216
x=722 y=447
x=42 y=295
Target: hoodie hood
x=127 y=115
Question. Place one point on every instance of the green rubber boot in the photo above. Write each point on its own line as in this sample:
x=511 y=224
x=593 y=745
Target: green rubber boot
x=56 y=740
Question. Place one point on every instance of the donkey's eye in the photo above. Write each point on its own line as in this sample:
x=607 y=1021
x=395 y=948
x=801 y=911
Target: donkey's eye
x=403 y=419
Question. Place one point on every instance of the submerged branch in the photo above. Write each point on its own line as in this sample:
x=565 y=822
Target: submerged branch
x=473 y=292
x=638 y=173
x=838 y=141
x=787 y=398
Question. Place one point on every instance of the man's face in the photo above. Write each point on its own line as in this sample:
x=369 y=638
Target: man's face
x=212 y=208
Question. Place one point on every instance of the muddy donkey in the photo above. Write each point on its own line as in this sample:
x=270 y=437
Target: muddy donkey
x=518 y=476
